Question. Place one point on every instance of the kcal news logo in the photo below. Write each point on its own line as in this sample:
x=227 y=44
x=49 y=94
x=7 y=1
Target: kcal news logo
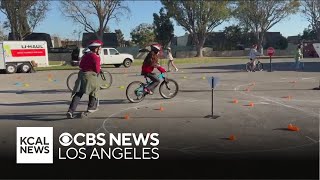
x=109 y=146
x=34 y=145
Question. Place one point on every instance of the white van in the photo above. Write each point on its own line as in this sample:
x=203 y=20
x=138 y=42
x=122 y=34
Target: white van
x=22 y=56
x=109 y=56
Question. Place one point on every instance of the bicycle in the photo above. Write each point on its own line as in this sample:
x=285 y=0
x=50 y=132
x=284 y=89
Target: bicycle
x=105 y=79
x=138 y=92
x=259 y=66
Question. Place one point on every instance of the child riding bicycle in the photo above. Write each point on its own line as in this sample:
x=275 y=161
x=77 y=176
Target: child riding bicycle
x=253 y=56
x=150 y=62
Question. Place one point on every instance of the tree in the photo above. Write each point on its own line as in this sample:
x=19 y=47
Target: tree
x=198 y=17
x=233 y=36
x=311 y=10
x=278 y=43
x=261 y=15
x=120 y=37
x=107 y=30
x=163 y=28
x=309 y=34
x=94 y=15
x=23 y=15
x=2 y=35
x=282 y=43
x=143 y=34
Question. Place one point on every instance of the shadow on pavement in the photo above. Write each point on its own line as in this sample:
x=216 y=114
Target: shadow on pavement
x=282 y=129
x=253 y=90
x=35 y=117
x=53 y=91
x=162 y=117
x=62 y=102
x=37 y=103
x=201 y=72
x=276 y=66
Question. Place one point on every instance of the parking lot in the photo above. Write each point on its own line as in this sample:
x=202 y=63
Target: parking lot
x=254 y=108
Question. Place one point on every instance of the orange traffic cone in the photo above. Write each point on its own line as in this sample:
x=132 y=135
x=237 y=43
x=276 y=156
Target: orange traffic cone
x=161 y=108
x=235 y=101
x=126 y=117
x=293 y=128
x=232 y=138
x=287 y=97
x=251 y=104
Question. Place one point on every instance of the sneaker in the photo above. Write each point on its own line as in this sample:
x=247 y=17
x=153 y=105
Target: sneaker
x=177 y=70
x=148 y=91
x=70 y=115
x=92 y=110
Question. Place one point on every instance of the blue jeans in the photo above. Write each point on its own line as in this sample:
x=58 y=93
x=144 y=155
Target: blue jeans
x=298 y=65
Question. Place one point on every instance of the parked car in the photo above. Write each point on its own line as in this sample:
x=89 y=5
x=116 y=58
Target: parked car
x=109 y=56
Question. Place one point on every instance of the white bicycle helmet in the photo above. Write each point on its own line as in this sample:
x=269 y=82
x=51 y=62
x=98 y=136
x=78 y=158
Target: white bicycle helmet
x=155 y=47
x=95 y=43
x=86 y=50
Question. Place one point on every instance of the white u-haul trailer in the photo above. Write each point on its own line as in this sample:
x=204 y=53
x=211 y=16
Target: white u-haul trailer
x=23 y=56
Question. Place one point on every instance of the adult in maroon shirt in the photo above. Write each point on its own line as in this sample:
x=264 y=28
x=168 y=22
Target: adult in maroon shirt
x=87 y=82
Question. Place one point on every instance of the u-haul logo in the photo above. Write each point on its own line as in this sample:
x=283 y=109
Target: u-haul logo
x=30 y=46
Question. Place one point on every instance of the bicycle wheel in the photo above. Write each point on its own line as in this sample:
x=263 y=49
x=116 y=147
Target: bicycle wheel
x=168 y=88
x=105 y=80
x=249 y=67
x=71 y=80
x=259 y=66
x=135 y=92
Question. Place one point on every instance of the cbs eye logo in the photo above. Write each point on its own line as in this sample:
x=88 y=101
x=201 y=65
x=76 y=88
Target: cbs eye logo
x=65 y=139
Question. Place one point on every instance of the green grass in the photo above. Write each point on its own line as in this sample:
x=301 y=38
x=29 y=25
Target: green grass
x=56 y=65
x=61 y=67
x=204 y=60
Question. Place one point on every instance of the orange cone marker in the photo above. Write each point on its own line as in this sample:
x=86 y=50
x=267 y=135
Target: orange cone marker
x=161 y=108
x=235 y=101
x=126 y=117
x=251 y=104
x=232 y=138
x=287 y=97
x=293 y=128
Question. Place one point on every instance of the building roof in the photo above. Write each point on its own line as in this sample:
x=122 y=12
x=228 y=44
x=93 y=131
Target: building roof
x=109 y=39
x=36 y=37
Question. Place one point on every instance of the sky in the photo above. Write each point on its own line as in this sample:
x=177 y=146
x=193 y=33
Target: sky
x=142 y=12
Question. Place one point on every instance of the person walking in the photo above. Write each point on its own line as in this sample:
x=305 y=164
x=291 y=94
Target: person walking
x=170 y=60
x=298 y=56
